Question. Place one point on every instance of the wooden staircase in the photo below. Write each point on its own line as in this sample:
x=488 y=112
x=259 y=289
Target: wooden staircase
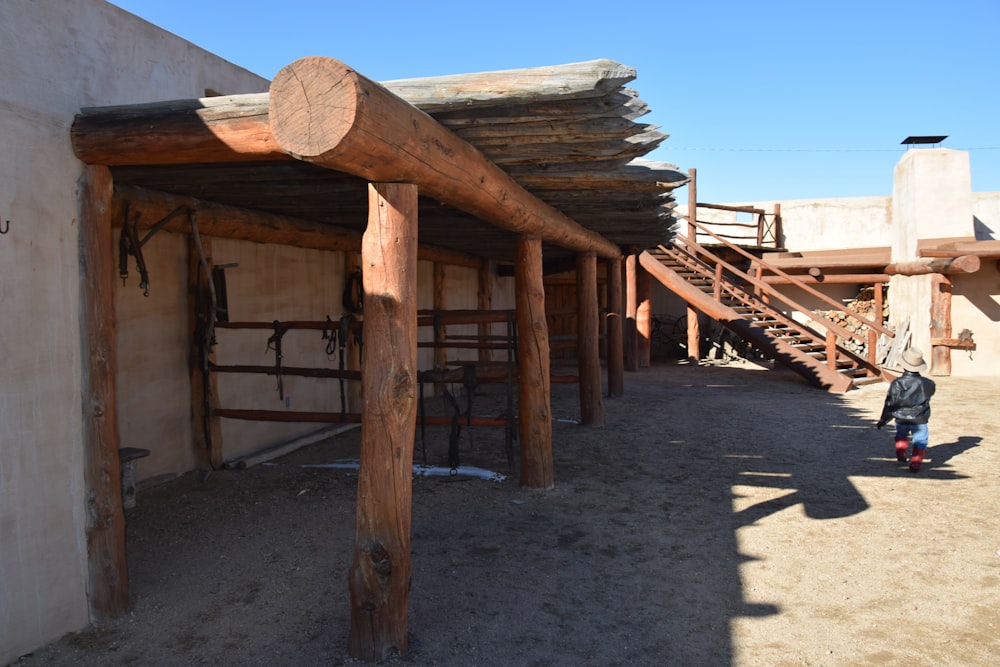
x=757 y=313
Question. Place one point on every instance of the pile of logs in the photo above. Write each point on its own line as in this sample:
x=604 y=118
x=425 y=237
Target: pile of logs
x=864 y=305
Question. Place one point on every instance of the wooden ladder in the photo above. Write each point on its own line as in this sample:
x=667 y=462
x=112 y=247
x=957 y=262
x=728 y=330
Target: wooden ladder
x=757 y=313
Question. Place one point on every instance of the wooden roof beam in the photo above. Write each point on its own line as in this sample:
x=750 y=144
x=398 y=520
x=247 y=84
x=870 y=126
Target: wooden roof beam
x=323 y=112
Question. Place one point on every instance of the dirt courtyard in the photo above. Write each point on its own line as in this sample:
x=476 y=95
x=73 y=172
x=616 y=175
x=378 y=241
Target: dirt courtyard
x=722 y=516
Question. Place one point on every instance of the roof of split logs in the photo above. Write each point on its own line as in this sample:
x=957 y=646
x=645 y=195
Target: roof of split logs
x=563 y=137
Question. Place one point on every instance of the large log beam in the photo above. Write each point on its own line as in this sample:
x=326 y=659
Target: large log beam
x=945 y=265
x=380 y=573
x=324 y=112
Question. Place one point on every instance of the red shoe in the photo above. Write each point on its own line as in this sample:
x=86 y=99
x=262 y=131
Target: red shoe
x=901 y=446
x=916 y=459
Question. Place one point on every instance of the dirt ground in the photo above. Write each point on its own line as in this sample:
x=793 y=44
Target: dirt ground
x=722 y=516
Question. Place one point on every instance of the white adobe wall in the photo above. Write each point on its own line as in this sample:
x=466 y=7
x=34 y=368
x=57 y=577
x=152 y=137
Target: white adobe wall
x=59 y=56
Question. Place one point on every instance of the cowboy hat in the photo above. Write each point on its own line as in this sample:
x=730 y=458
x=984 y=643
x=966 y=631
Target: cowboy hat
x=913 y=360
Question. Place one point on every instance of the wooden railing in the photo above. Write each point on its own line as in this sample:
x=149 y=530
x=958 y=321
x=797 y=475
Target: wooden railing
x=762 y=288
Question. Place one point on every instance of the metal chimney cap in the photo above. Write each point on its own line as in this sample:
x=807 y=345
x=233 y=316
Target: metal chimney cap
x=923 y=140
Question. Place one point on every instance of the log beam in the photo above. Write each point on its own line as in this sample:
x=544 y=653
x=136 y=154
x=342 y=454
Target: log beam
x=380 y=573
x=588 y=344
x=213 y=129
x=534 y=398
x=243 y=224
x=324 y=112
x=616 y=359
x=944 y=265
x=107 y=565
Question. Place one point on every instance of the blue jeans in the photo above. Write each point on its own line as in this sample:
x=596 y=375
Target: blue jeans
x=918 y=431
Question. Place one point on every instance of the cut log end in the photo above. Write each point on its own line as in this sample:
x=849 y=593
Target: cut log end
x=313 y=105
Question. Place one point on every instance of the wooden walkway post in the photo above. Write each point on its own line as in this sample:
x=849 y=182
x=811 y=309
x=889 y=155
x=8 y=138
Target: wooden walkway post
x=630 y=265
x=380 y=573
x=693 y=326
x=108 y=568
x=616 y=359
x=534 y=399
x=588 y=348
x=941 y=289
x=643 y=316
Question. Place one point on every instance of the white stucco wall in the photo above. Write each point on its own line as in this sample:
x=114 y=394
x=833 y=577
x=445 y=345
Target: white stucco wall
x=59 y=56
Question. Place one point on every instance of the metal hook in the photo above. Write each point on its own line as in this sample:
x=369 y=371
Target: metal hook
x=4 y=230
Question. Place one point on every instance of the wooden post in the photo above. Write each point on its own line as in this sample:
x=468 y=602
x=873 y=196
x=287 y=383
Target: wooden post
x=941 y=288
x=534 y=399
x=616 y=359
x=107 y=566
x=693 y=326
x=440 y=330
x=206 y=428
x=352 y=351
x=831 y=350
x=631 y=303
x=484 y=301
x=643 y=316
x=587 y=346
x=380 y=573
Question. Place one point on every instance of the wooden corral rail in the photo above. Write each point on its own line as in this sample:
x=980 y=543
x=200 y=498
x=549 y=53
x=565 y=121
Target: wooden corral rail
x=504 y=371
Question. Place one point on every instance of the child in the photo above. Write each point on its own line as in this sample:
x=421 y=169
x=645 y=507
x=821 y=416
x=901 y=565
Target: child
x=909 y=403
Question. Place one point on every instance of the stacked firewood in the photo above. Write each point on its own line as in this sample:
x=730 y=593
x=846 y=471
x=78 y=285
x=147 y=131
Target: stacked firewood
x=864 y=305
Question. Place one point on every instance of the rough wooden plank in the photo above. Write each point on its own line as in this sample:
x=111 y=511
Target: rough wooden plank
x=536 y=84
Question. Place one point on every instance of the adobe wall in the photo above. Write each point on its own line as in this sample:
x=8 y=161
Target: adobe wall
x=59 y=56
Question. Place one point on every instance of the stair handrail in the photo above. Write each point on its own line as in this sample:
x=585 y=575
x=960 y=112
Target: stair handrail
x=792 y=279
x=830 y=325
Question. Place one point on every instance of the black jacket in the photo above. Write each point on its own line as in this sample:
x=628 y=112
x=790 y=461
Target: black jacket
x=908 y=400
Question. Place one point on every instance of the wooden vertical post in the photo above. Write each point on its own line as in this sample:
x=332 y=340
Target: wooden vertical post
x=534 y=399
x=380 y=573
x=616 y=359
x=107 y=565
x=440 y=332
x=206 y=428
x=630 y=265
x=643 y=316
x=941 y=288
x=352 y=352
x=693 y=326
x=588 y=347
x=484 y=301
x=877 y=315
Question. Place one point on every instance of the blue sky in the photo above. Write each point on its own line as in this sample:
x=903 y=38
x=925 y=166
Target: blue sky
x=771 y=99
